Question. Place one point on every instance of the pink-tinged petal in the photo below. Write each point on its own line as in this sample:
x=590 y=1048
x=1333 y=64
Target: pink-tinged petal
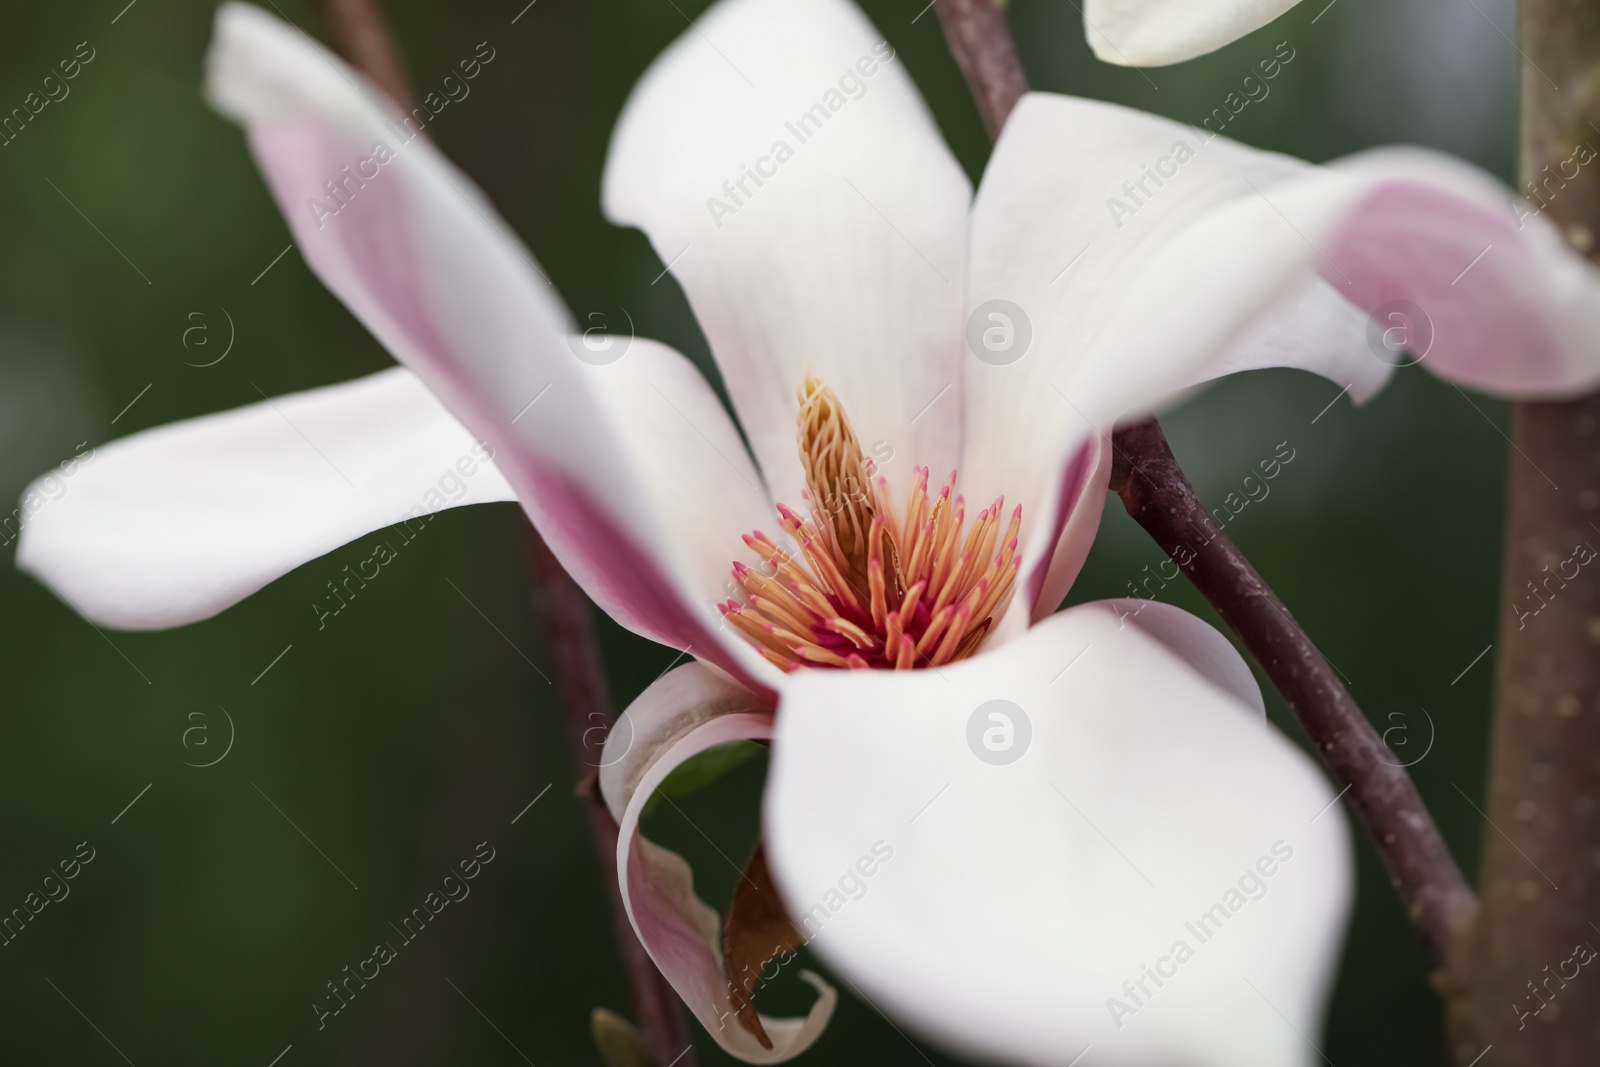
x=992 y=883
x=1059 y=540
x=1058 y=266
x=174 y=524
x=685 y=712
x=1154 y=33
x=1145 y=256
x=646 y=523
x=848 y=257
x=1075 y=509
x=696 y=494
x=1508 y=307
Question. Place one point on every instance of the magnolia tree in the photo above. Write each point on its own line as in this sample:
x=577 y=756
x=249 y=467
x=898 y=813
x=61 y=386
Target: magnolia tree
x=1028 y=835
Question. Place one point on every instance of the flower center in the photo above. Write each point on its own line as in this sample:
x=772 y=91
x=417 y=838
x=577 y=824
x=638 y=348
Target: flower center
x=870 y=589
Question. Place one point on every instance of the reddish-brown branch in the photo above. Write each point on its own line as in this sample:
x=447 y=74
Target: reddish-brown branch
x=365 y=40
x=981 y=42
x=582 y=683
x=1159 y=497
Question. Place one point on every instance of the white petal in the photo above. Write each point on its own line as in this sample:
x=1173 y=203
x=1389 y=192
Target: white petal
x=1511 y=309
x=1226 y=258
x=696 y=494
x=685 y=712
x=418 y=254
x=848 y=258
x=1045 y=243
x=175 y=524
x=999 y=907
x=1047 y=239
x=1078 y=503
x=1154 y=33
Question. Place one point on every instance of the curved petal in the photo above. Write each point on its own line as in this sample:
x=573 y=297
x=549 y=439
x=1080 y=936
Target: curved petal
x=1060 y=539
x=175 y=524
x=1154 y=33
x=418 y=254
x=1197 y=643
x=1505 y=305
x=782 y=163
x=1146 y=256
x=1062 y=231
x=1026 y=875
x=685 y=712
x=1049 y=253
x=1078 y=503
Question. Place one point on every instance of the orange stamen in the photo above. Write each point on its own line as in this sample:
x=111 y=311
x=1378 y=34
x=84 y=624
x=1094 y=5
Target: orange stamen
x=871 y=587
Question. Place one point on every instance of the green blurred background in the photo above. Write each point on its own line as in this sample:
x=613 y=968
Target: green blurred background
x=413 y=728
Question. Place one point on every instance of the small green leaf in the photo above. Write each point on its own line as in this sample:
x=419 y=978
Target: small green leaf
x=619 y=1043
x=697 y=772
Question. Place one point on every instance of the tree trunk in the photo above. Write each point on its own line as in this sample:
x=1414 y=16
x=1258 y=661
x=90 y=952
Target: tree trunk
x=1530 y=979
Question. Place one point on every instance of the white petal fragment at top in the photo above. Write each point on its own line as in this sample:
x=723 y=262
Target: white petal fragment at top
x=1155 y=33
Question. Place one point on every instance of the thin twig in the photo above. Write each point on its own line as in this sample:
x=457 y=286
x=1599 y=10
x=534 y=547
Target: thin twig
x=981 y=41
x=581 y=679
x=365 y=40
x=1159 y=497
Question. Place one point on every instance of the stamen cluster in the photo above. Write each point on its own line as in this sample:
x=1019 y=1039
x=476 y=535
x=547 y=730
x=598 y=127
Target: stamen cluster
x=871 y=589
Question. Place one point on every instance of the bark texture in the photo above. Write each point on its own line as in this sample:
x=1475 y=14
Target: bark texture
x=1524 y=990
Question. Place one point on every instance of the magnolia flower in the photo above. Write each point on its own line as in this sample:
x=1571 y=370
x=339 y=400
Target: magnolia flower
x=1020 y=832
x=1154 y=33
